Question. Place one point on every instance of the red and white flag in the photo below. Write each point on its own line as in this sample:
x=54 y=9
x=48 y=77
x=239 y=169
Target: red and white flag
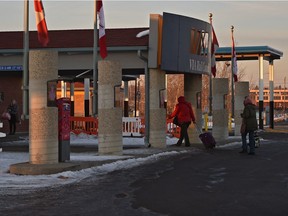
x=41 y=23
x=234 y=61
x=215 y=46
x=102 y=36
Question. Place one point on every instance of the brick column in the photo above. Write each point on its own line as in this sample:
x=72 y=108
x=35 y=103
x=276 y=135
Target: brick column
x=43 y=120
x=220 y=88
x=110 y=117
x=241 y=90
x=192 y=89
x=157 y=114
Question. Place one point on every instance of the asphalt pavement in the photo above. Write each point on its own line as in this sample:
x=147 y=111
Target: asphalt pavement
x=209 y=183
x=8 y=144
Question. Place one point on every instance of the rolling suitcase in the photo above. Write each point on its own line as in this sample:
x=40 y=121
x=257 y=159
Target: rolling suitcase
x=206 y=138
x=257 y=139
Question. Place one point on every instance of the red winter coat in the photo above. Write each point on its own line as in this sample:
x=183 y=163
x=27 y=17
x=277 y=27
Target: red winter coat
x=184 y=111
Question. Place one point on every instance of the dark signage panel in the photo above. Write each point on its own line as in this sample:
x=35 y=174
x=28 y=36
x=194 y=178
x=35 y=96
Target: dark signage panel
x=170 y=42
x=186 y=45
x=52 y=93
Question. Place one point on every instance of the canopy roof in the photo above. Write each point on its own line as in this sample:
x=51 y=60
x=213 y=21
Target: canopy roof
x=248 y=53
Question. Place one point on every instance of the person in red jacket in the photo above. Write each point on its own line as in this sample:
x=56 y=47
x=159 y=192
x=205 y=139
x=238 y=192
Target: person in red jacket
x=183 y=111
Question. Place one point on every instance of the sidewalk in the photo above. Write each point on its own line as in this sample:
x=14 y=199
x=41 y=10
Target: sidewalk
x=86 y=148
x=135 y=149
x=88 y=163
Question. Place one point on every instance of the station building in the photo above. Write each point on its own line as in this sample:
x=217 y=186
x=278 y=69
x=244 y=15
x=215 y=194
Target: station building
x=175 y=44
x=75 y=51
x=75 y=55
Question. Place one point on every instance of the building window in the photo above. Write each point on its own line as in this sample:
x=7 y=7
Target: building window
x=198 y=42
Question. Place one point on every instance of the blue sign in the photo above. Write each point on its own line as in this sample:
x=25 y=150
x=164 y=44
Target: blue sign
x=11 y=68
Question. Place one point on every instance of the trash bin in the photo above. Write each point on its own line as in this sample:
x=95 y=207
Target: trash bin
x=64 y=128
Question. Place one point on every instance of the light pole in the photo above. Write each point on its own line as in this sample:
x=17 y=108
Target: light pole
x=232 y=78
x=284 y=95
x=210 y=78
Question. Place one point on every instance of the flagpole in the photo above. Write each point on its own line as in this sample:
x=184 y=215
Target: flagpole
x=95 y=68
x=232 y=75
x=210 y=77
x=25 y=85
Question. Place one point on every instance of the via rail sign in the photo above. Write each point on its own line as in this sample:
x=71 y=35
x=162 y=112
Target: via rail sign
x=186 y=45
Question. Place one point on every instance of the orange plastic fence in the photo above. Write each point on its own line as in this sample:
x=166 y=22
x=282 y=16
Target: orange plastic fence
x=89 y=125
x=172 y=129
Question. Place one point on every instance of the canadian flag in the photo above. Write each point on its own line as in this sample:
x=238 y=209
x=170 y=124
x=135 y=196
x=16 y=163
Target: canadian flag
x=234 y=60
x=102 y=36
x=215 y=46
x=41 y=23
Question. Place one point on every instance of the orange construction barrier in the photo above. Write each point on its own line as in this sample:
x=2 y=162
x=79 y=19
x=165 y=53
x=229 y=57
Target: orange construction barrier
x=88 y=125
x=173 y=129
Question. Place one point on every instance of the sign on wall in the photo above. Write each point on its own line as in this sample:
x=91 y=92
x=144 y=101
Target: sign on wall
x=52 y=93
x=186 y=45
x=11 y=68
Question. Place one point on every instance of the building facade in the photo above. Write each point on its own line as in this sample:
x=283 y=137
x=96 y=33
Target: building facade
x=280 y=97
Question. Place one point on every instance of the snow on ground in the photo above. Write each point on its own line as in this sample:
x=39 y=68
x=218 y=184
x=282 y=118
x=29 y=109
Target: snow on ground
x=15 y=184
x=10 y=183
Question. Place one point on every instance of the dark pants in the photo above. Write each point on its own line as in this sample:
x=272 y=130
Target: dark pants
x=12 y=124
x=184 y=134
x=251 y=141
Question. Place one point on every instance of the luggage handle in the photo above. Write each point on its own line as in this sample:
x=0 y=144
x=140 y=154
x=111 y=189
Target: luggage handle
x=198 y=129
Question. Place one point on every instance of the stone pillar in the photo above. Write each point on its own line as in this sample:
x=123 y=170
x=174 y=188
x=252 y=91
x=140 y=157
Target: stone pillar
x=110 y=117
x=220 y=89
x=192 y=90
x=241 y=90
x=157 y=113
x=43 y=120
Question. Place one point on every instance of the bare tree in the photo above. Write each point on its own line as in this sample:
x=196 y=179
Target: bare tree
x=175 y=88
x=224 y=70
x=205 y=92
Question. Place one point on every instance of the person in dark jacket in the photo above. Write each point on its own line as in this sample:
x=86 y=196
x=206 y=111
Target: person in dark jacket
x=13 y=111
x=183 y=111
x=250 y=122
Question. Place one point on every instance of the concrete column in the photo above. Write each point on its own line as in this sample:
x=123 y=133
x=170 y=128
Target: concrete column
x=157 y=114
x=110 y=117
x=241 y=91
x=86 y=96
x=261 y=90
x=192 y=90
x=43 y=120
x=63 y=89
x=271 y=94
x=220 y=88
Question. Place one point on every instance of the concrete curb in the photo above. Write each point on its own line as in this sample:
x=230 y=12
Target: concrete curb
x=48 y=169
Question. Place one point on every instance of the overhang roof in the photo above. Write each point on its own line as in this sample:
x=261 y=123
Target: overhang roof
x=248 y=53
x=71 y=39
x=117 y=39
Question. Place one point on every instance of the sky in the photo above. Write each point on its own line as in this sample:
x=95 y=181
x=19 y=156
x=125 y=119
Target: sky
x=15 y=184
x=256 y=23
